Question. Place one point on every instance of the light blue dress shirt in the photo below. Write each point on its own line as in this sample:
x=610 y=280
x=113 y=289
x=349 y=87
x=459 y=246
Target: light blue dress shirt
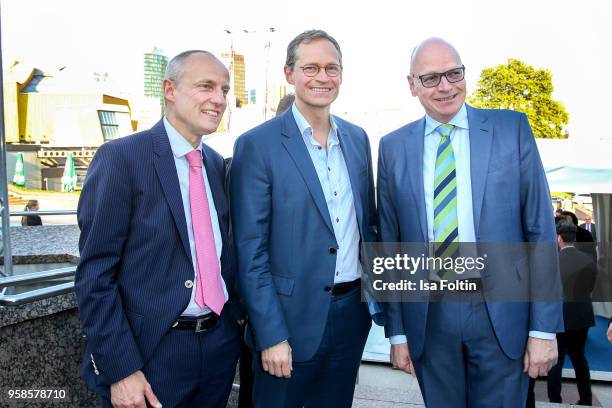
x=180 y=147
x=336 y=184
x=460 y=139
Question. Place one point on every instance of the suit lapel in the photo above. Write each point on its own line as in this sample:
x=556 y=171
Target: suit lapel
x=215 y=183
x=481 y=138
x=294 y=144
x=166 y=172
x=414 y=150
x=350 y=158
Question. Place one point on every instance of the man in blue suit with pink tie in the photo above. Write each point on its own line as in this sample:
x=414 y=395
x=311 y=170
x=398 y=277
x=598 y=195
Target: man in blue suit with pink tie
x=466 y=175
x=155 y=280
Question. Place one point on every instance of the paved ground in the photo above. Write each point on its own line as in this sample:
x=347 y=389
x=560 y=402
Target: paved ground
x=381 y=387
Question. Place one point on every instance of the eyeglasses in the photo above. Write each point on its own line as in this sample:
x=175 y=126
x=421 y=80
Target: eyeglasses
x=432 y=80
x=332 y=70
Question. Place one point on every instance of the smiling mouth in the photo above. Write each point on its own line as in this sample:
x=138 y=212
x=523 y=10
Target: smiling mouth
x=448 y=98
x=212 y=113
x=320 y=90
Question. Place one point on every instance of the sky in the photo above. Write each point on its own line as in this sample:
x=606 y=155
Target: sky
x=569 y=38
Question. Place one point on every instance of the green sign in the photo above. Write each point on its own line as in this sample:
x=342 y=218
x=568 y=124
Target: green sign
x=69 y=179
x=19 y=176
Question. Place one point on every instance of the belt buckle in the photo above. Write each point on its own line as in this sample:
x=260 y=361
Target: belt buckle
x=199 y=328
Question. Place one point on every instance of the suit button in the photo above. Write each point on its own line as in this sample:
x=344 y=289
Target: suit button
x=327 y=288
x=332 y=250
x=188 y=284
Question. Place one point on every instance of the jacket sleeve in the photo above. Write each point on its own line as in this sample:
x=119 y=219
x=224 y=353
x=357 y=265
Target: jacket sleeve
x=251 y=209
x=104 y=214
x=389 y=233
x=546 y=311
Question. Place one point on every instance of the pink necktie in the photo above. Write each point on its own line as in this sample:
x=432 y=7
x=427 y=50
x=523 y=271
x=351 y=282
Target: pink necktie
x=207 y=262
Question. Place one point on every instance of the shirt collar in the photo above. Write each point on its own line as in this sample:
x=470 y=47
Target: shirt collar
x=179 y=145
x=460 y=120
x=306 y=129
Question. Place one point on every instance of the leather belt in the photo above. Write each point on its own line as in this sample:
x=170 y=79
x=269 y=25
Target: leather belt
x=345 y=287
x=196 y=325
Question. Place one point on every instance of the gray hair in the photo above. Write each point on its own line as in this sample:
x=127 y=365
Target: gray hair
x=306 y=37
x=176 y=66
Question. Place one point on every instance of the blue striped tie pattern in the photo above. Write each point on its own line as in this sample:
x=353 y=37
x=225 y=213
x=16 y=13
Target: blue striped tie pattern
x=446 y=232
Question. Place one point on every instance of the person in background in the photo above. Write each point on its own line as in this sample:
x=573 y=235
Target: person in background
x=31 y=220
x=578 y=274
x=584 y=239
x=589 y=226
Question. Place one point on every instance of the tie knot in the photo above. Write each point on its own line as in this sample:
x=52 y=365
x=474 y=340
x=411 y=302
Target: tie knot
x=194 y=158
x=445 y=130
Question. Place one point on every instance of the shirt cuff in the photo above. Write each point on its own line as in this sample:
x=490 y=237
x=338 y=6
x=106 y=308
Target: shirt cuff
x=542 y=335
x=399 y=339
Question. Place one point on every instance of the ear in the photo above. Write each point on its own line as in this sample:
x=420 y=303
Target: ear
x=412 y=85
x=289 y=74
x=169 y=90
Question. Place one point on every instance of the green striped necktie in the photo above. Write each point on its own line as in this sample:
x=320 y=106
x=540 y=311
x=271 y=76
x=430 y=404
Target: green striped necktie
x=446 y=232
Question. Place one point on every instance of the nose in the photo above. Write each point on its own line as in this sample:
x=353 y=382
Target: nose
x=219 y=97
x=444 y=85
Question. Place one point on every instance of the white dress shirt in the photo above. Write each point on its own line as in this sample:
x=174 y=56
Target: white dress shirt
x=334 y=179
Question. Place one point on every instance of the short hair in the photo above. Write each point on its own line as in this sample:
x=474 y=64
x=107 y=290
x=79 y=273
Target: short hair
x=306 y=37
x=571 y=214
x=285 y=103
x=176 y=66
x=567 y=230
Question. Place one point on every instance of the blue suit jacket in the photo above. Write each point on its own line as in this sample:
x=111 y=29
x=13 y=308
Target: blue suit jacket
x=511 y=204
x=135 y=257
x=283 y=232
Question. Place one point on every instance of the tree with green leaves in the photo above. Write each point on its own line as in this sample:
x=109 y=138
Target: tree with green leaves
x=519 y=86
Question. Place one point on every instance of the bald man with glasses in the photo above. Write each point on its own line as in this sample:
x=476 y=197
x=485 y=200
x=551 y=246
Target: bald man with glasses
x=466 y=175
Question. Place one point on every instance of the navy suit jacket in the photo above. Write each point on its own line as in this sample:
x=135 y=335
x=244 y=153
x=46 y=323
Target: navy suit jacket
x=131 y=282
x=511 y=204
x=283 y=232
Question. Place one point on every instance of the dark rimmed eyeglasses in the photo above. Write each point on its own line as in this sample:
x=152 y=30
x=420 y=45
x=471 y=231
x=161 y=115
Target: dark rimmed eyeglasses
x=332 y=70
x=433 y=79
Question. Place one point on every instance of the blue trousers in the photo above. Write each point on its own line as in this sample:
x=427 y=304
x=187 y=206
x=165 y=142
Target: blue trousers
x=328 y=378
x=191 y=369
x=462 y=364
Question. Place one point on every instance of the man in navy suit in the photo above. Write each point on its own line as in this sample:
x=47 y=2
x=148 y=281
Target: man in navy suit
x=302 y=201
x=155 y=279
x=462 y=174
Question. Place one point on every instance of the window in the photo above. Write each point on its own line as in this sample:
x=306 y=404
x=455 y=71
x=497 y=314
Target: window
x=110 y=126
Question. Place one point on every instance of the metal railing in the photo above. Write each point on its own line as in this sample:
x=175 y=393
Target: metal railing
x=36 y=294
x=9 y=280
x=42 y=212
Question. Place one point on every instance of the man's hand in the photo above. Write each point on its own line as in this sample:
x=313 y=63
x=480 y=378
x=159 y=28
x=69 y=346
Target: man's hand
x=276 y=360
x=400 y=358
x=609 y=333
x=133 y=391
x=540 y=356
